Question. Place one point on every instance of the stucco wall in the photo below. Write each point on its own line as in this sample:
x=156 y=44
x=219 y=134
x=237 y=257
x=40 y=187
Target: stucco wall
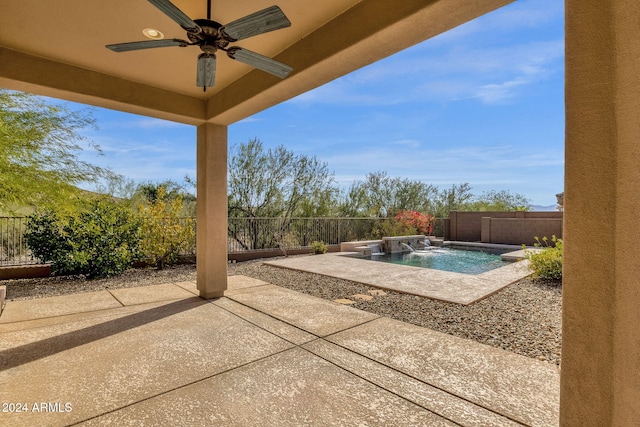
x=518 y=231
x=504 y=227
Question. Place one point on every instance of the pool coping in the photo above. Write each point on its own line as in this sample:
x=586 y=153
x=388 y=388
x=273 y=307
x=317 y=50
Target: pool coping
x=440 y=285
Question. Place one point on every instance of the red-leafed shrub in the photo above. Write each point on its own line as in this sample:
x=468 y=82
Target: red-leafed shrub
x=421 y=223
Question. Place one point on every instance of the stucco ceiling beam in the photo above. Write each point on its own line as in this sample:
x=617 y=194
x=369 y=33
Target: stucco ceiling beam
x=28 y=73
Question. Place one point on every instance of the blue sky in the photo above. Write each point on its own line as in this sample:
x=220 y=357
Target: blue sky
x=482 y=104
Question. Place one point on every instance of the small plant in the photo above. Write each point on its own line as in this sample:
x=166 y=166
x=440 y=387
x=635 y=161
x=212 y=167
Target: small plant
x=546 y=263
x=319 y=247
x=286 y=240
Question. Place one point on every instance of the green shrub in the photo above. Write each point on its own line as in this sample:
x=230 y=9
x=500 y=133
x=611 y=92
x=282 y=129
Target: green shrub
x=166 y=234
x=45 y=237
x=390 y=227
x=319 y=247
x=546 y=263
x=405 y=223
x=99 y=240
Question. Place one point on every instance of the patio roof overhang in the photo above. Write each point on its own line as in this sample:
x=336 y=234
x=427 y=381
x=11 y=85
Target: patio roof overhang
x=58 y=49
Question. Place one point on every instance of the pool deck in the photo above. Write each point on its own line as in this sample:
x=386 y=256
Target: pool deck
x=435 y=284
x=260 y=356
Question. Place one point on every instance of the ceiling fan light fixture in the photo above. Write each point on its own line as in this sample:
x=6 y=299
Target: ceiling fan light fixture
x=153 y=34
x=206 y=71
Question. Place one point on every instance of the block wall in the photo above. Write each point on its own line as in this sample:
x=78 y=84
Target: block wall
x=518 y=231
x=468 y=226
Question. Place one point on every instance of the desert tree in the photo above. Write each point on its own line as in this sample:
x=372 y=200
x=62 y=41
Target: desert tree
x=40 y=152
x=502 y=200
x=381 y=195
x=274 y=183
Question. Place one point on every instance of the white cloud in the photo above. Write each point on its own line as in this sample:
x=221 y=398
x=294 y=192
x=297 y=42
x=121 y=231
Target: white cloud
x=131 y=121
x=343 y=92
x=151 y=123
x=499 y=93
x=248 y=120
x=131 y=145
x=461 y=72
x=409 y=143
x=470 y=161
x=526 y=171
x=488 y=59
x=517 y=15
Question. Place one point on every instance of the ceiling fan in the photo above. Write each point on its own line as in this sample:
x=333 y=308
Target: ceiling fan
x=212 y=36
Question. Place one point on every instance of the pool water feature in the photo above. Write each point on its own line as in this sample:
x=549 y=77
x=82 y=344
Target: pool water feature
x=376 y=249
x=445 y=259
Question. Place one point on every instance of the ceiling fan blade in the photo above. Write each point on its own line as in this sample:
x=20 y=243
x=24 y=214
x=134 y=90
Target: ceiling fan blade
x=263 y=21
x=176 y=14
x=146 y=44
x=261 y=62
x=206 y=75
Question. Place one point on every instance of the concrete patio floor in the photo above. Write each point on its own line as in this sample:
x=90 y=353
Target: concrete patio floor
x=262 y=355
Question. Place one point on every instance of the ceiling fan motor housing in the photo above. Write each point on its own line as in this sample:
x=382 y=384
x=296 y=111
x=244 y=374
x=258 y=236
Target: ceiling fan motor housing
x=210 y=39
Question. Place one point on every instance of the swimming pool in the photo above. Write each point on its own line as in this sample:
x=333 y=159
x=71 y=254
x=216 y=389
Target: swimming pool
x=445 y=259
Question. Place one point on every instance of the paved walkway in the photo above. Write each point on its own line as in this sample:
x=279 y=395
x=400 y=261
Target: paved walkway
x=260 y=356
x=435 y=284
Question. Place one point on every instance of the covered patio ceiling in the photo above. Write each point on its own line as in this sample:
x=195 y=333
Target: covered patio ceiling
x=57 y=48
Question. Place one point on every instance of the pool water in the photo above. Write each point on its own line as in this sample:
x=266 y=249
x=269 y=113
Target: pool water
x=454 y=260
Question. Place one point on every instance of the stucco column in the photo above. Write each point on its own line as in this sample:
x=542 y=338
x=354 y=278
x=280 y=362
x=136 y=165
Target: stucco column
x=600 y=377
x=211 y=239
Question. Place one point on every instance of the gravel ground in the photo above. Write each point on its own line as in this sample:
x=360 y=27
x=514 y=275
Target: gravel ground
x=524 y=318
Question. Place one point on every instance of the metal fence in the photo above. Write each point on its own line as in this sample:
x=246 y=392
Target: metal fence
x=251 y=234
x=244 y=234
x=13 y=249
